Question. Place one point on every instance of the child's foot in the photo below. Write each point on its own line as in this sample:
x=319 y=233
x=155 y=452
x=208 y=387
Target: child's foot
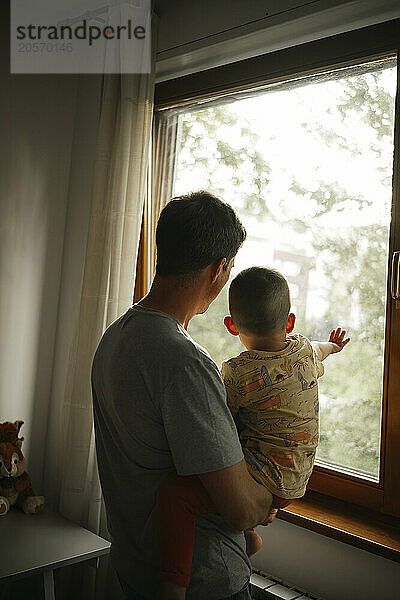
x=272 y=514
x=253 y=542
x=171 y=591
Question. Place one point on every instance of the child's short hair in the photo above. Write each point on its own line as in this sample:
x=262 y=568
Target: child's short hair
x=259 y=301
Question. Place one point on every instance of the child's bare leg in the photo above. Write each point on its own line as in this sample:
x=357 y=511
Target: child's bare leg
x=253 y=542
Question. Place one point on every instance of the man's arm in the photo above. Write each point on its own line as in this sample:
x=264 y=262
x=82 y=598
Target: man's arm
x=239 y=499
x=335 y=344
x=204 y=441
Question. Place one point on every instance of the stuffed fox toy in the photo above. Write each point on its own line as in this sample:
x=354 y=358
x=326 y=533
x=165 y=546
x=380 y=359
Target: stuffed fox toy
x=15 y=483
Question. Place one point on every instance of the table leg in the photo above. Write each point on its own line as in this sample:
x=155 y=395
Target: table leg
x=94 y=562
x=48 y=584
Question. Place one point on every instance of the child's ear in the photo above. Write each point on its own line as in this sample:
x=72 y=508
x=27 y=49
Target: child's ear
x=230 y=325
x=290 y=323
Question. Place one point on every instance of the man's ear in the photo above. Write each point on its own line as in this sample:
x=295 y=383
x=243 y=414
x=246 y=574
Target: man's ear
x=217 y=269
x=230 y=325
x=290 y=323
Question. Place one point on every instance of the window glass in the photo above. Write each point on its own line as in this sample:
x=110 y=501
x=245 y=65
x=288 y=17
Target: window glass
x=308 y=168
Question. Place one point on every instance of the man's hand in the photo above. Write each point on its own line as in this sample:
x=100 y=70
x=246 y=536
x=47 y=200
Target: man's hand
x=337 y=338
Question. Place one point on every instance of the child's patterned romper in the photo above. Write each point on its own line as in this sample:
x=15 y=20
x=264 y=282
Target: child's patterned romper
x=273 y=397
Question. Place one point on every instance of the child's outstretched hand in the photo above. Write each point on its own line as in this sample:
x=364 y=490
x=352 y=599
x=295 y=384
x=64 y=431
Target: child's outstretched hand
x=337 y=337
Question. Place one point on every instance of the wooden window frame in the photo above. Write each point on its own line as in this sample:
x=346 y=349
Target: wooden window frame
x=361 y=45
x=141 y=279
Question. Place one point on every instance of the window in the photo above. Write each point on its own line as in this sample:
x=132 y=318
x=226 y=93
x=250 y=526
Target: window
x=306 y=159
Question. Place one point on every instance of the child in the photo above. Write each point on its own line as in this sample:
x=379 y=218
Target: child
x=272 y=392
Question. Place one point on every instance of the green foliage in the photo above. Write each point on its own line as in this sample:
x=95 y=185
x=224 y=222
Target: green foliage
x=365 y=95
x=332 y=138
x=328 y=197
x=353 y=261
x=350 y=418
x=364 y=252
x=206 y=140
x=365 y=98
x=350 y=430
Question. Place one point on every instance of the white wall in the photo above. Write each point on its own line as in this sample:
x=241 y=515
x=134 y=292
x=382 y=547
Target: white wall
x=327 y=568
x=48 y=125
x=197 y=35
x=36 y=137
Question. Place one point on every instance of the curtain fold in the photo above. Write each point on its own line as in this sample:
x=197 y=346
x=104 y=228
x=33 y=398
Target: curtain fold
x=113 y=238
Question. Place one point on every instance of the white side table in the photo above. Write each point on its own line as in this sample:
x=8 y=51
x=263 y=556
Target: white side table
x=33 y=544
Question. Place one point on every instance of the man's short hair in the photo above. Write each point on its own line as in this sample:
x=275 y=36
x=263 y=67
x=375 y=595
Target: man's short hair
x=259 y=301
x=194 y=231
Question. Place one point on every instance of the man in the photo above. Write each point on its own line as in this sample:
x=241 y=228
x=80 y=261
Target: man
x=160 y=406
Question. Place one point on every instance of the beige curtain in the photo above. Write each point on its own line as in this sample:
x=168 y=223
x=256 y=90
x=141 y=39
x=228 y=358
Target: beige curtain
x=115 y=221
x=119 y=188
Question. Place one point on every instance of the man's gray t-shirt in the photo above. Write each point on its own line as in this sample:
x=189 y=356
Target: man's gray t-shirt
x=160 y=405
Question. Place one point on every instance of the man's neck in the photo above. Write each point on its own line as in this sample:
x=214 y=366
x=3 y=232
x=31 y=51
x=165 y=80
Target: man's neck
x=169 y=295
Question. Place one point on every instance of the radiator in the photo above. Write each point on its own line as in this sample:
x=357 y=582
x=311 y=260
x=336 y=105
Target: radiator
x=268 y=587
